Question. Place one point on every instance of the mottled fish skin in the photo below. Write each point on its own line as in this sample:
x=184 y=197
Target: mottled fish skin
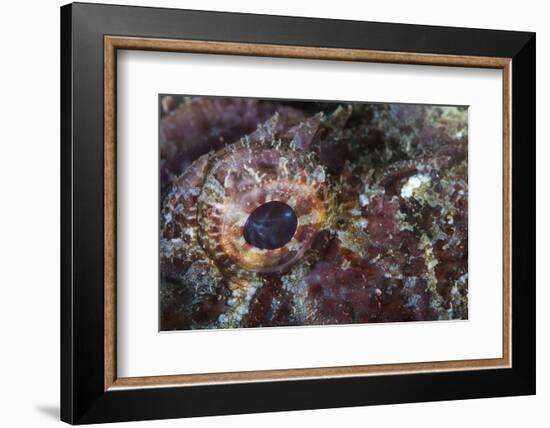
x=380 y=193
x=205 y=124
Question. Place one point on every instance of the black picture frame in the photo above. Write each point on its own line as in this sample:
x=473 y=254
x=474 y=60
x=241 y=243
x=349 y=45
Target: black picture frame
x=83 y=396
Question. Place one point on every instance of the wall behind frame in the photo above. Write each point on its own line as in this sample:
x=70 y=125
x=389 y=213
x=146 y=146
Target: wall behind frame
x=29 y=218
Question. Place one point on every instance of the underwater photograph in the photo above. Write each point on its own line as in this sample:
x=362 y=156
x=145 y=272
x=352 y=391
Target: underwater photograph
x=279 y=213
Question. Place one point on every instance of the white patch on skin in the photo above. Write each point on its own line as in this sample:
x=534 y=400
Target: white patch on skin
x=319 y=174
x=363 y=200
x=412 y=184
x=291 y=202
x=311 y=218
x=250 y=292
x=282 y=165
x=226 y=179
x=346 y=264
x=369 y=193
x=176 y=241
x=254 y=174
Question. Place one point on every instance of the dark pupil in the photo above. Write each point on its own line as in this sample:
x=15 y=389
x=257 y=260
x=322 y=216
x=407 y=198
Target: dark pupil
x=270 y=226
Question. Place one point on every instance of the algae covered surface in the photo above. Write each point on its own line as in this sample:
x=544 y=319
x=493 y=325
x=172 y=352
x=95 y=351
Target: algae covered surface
x=376 y=194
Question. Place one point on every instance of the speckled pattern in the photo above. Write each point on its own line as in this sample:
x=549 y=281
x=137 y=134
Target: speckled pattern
x=380 y=192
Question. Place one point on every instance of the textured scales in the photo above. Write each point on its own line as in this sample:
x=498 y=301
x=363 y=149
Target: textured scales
x=205 y=211
x=380 y=195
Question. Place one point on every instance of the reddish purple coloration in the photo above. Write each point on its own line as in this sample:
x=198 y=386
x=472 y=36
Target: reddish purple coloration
x=381 y=196
x=204 y=124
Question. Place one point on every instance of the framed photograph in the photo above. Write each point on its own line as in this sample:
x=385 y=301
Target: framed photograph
x=265 y=213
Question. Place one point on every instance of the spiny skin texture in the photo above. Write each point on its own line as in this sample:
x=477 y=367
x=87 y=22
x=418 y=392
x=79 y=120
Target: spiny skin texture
x=380 y=193
x=207 y=123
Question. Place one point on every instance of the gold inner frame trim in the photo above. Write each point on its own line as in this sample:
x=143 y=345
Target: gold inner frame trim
x=113 y=43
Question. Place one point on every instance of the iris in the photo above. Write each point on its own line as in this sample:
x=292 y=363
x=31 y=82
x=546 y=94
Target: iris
x=270 y=226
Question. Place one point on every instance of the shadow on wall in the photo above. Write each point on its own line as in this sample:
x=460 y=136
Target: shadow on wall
x=50 y=411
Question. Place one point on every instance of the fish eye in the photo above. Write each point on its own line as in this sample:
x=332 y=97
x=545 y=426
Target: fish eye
x=270 y=226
